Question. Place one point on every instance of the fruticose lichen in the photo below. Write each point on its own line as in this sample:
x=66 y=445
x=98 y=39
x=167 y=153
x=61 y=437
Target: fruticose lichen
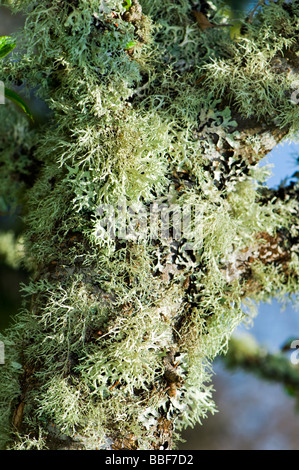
x=115 y=335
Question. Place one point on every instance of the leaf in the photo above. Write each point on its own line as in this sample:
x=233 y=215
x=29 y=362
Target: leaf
x=204 y=23
x=127 y=4
x=13 y=96
x=6 y=45
x=130 y=44
x=202 y=20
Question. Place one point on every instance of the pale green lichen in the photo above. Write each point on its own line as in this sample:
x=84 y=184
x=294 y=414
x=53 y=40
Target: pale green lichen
x=105 y=314
x=244 y=76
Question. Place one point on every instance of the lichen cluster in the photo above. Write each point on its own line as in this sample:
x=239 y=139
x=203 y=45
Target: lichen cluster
x=116 y=336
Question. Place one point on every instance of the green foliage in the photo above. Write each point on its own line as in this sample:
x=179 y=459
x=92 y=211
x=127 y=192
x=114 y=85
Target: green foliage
x=6 y=46
x=15 y=98
x=102 y=318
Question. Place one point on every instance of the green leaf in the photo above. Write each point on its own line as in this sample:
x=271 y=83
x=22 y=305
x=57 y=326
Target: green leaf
x=127 y=4
x=13 y=96
x=130 y=44
x=6 y=46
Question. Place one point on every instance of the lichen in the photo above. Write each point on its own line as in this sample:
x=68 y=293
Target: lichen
x=103 y=321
